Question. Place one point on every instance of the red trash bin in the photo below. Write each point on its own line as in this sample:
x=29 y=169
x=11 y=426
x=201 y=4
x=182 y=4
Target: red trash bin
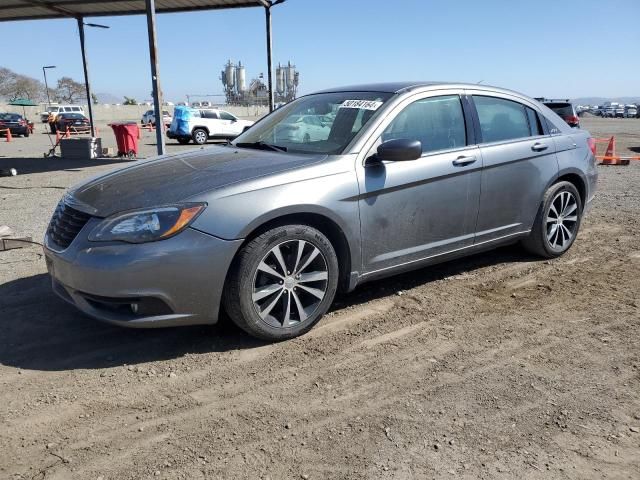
x=127 y=135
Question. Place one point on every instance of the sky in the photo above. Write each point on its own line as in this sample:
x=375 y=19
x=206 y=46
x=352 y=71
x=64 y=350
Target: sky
x=550 y=48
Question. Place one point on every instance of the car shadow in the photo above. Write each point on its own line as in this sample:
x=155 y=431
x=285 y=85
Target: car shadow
x=42 y=332
x=635 y=149
x=42 y=165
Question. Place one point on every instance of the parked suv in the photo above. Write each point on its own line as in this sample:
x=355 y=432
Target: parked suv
x=208 y=124
x=58 y=109
x=630 y=111
x=565 y=110
x=149 y=118
x=270 y=226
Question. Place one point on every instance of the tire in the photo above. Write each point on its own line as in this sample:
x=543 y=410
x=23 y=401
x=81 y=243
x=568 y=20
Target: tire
x=200 y=136
x=26 y=134
x=549 y=238
x=286 y=304
x=183 y=140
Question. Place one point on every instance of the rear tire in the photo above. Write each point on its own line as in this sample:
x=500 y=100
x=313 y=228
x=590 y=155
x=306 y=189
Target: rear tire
x=557 y=222
x=200 y=136
x=282 y=282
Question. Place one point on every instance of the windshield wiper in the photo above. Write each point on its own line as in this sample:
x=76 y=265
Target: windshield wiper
x=261 y=146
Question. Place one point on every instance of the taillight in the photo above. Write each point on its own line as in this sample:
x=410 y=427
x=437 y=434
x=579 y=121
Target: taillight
x=592 y=145
x=572 y=119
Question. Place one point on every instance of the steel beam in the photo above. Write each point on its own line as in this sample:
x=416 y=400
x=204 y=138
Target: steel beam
x=155 y=75
x=267 y=12
x=85 y=66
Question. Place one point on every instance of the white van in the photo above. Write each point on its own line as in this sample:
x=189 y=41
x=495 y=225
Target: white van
x=56 y=109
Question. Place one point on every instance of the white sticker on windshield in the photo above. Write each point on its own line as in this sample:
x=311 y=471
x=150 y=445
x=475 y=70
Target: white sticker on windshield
x=363 y=104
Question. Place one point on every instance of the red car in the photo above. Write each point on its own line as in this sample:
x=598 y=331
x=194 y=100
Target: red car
x=76 y=122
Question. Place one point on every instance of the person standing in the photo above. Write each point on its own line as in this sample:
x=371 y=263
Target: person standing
x=52 y=122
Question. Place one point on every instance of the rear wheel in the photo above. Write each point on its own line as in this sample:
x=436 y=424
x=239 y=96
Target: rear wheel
x=200 y=136
x=282 y=282
x=557 y=222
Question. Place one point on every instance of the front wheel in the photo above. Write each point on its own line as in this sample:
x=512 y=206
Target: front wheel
x=282 y=282
x=557 y=222
x=200 y=136
x=183 y=140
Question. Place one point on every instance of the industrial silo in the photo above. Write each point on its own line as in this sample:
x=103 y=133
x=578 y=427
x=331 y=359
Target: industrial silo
x=230 y=75
x=280 y=82
x=241 y=77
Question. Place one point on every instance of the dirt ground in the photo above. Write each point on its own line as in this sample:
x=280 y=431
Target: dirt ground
x=496 y=366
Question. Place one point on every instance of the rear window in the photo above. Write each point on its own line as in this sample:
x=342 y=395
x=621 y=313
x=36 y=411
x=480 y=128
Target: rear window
x=11 y=117
x=563 y=109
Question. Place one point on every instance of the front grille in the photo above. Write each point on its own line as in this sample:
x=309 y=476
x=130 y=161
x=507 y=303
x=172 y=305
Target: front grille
x=65 y=224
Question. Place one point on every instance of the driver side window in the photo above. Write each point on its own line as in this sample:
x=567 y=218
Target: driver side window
x=437 y=122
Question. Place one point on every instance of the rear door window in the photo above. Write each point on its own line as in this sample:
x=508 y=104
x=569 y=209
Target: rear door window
x=75 y=109
x=501 y=119
x=68 y=109
x=209 y=114
x=226 y=116
x=438 y=122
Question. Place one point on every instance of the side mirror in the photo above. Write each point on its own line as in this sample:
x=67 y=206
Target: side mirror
x=234 y=120
x=400 y=150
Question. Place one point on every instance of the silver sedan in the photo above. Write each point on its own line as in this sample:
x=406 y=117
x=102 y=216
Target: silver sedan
x=270 y=226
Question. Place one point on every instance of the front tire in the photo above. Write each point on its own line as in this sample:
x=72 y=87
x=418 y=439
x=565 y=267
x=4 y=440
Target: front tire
x=200 y=136
x=282 y=282
x=557 y=222
x=183 y=140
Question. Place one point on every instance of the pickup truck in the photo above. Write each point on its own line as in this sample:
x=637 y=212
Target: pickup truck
x=205 y=124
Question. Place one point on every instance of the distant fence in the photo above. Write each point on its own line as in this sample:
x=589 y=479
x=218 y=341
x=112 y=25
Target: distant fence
x=126 y=113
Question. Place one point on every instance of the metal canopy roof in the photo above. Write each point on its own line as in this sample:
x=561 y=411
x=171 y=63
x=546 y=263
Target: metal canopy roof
x=45 y=9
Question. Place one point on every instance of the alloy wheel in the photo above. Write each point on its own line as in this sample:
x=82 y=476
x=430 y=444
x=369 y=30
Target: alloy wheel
x=289 y=284
x=201 y=137
x=562 y=220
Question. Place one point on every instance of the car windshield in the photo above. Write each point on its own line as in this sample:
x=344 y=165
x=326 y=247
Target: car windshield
x=321 y=123
x=562 y=109
x=10 y=117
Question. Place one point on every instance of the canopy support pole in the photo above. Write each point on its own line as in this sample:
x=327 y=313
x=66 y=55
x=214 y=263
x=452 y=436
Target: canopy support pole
x=85 y=66
x=267 y=11
x=155 y=75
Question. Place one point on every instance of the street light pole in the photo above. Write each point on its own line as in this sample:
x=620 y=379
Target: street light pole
x=44 y=72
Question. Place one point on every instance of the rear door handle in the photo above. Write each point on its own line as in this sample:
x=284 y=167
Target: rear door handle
x=539 y=147
x=462 y=161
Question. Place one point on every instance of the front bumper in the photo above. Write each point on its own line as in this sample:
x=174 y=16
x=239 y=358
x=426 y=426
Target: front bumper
x=184 y=275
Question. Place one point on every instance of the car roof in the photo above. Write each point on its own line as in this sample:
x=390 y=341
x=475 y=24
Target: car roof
x=402 y=87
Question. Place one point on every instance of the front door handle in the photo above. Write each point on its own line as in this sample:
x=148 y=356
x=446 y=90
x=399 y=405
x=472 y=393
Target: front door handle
x=462 y=161
x=539 y=147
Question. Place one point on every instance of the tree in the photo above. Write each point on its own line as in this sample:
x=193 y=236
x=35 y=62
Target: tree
x=130 y=101
x=14 y=85
x=69 y=91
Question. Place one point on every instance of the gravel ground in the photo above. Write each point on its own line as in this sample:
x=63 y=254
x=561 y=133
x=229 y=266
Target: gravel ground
x=495 y=366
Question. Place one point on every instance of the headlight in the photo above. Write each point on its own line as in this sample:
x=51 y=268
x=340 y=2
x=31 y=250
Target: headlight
x=146 y=225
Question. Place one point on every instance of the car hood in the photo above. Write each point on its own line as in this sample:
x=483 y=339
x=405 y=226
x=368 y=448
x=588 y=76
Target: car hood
x=175 y=178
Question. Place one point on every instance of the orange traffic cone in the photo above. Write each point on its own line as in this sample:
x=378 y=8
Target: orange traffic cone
x=8 y=135
x=611 y=148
